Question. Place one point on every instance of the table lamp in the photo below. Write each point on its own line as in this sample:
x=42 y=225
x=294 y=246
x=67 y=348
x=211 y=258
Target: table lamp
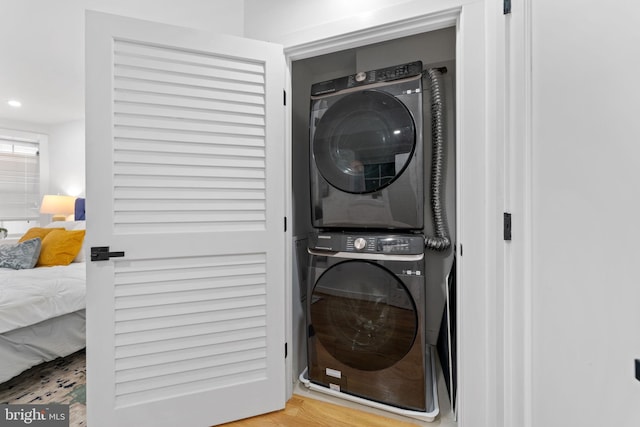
x=59 y=206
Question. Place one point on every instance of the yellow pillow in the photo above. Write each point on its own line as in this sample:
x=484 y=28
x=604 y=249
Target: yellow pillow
x=37 y=232
x=60 y=247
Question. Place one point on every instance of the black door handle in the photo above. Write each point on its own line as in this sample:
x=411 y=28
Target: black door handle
x=101 y=253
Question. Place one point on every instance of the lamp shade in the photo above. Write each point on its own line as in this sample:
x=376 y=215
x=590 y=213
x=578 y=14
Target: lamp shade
x=59 y=206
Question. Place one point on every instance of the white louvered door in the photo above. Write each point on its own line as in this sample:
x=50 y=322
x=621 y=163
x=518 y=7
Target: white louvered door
x=185 y=152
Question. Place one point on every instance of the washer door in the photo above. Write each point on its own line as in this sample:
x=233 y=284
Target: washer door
x=363 y=315
x=364 y=141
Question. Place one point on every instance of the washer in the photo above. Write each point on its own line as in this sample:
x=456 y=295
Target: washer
x=366 y=318
x=366 y=161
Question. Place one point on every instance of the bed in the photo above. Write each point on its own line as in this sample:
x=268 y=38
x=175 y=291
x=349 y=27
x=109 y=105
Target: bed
x=42 y=309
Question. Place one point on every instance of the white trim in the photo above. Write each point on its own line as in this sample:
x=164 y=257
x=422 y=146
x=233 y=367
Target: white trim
x=518 y=379
x=376 y=34
x=476 y=303
x=288 y=236
x=527 y=219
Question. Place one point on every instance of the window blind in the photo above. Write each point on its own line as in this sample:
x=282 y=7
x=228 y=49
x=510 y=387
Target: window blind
x=19 y=180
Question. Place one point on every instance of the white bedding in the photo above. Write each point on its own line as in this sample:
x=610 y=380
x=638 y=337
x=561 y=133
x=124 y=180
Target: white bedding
x=25 y=347
x=31 y=296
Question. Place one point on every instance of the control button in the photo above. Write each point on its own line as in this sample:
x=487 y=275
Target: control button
x=361 y=76
x=360 y=243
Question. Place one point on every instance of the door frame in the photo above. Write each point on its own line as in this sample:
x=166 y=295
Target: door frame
x=518 y=184
x=487 y=351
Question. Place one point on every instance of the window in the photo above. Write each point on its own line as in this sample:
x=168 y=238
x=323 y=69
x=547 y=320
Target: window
x=19 y=183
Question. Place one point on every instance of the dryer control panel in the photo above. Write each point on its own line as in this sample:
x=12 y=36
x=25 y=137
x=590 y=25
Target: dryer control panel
x=368 y=77
x=396 y=244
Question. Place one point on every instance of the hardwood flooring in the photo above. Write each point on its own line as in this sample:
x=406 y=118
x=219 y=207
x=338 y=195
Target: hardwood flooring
x=303 y=411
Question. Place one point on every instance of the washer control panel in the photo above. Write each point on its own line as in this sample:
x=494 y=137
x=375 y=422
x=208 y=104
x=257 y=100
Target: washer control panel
x=406 y=244
x=362 y=78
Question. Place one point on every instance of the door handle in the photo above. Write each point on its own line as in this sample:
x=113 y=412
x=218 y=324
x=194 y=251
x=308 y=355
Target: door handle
x=101 y=253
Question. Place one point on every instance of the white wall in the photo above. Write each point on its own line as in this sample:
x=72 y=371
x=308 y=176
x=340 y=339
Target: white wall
x=586 y=208
x=42 y=44
x=271 y=19
x=66 y=159
x=293 y=22
x=62 y=23
x=23 y=126
x=218 y=16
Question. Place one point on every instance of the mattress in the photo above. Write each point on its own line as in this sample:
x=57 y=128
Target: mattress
x=28 y=297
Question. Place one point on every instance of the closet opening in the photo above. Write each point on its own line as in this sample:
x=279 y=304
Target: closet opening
x=434 y=50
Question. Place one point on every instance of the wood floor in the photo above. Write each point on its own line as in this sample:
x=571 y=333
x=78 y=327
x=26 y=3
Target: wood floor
x=306 y=412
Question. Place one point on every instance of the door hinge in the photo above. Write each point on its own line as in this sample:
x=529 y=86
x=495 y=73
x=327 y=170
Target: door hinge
x=284 y=100
x=506 y=227
x=285 y=224
x=506 y=7
x=286 y=351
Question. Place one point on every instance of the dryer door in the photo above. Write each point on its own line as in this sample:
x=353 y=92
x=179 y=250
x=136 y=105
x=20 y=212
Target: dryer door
x=363 y=315
x=364 y=141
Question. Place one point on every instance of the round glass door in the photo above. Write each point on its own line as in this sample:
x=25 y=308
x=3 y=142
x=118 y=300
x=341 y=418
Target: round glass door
x=364 y=141
x=363 y=315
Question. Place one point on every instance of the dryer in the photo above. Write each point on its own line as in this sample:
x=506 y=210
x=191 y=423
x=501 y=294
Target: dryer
x=366 y=318
x=366 y=153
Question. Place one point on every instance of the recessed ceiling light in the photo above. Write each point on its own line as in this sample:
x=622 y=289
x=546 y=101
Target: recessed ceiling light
x=14 y=103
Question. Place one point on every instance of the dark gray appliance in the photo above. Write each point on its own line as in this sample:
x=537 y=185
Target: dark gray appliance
x=366 y=318
x=366 y=154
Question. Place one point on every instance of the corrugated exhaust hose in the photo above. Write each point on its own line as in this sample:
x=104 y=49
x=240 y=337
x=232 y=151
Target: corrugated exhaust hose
x=440 y=241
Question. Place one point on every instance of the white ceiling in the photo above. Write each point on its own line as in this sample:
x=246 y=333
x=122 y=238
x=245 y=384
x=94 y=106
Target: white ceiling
x=42 y=48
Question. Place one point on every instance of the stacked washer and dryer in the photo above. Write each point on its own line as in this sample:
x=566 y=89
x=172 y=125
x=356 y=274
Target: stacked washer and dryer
x=369 y=306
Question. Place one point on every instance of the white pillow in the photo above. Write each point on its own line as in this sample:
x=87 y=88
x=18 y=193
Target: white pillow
x=80 y=225
x=67 y=225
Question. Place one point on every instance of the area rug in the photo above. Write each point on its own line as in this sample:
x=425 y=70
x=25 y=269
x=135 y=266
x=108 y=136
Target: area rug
x=62 y=381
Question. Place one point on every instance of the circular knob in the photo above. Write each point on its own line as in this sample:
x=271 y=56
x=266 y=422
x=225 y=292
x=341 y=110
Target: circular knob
x=360 y=243
x=361 y=76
